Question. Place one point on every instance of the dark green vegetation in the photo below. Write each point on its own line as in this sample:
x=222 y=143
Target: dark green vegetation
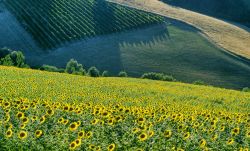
x=157 y=76
x=12 y=58
x=55 y=22
x=234 y=10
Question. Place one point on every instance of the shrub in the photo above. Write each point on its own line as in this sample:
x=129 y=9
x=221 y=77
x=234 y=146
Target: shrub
x=73 y=67
x=15 y=58
x=4 y=52
x=199 y=82
x=105 y=74
x=158 y=76
x=123 y=74
x=93 y=72
x=246 y=89
x=51 y=68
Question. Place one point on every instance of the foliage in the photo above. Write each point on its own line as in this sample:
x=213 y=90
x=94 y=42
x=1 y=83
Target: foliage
x=73 y=67
x=123 y=74
x=14 y=58
x=105 y=73
x=246 y=89
x=52 y=111
x=158 y=76
x=4 y=52
x=51 y=68
x=93 y=72
x=199 y=82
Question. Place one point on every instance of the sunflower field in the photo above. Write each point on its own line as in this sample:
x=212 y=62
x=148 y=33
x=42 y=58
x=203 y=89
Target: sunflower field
x=55 y=111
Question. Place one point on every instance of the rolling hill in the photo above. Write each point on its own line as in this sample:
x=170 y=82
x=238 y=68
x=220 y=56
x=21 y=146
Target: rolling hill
x=237 y=11
x=226 y=35
x=149 y=43
x=81 y=113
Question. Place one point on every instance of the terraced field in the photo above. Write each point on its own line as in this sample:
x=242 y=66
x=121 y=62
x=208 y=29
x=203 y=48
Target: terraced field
x=56 y=22
x=83 y=113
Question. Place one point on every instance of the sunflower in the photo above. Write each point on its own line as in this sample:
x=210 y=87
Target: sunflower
x=135 y=130
x=78 y=123
x=167 y=133
x=94 y=122
x=151 y=133
x=65 y=122
x=22 y=126
x=50 y=112
x=142 y=136
x=78 y=142
x=72 y=146
x=186 y=135
x=25 y=120
x=42 y=119
x=22 y=134
x=34 y=118
x=111 y=121
x=235 y=131
x=111 y=147
x=141 y=120
x=214 y=137
x=81 y=134
x=248 y=134
x=9 y=133
x=73 y=126
x=38 y=133
x=20 y=115
x=60 y=120
x=203 y=143
x=230 y=141
x=89 y=134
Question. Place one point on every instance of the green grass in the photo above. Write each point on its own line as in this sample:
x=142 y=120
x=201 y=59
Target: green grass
x=176 y=49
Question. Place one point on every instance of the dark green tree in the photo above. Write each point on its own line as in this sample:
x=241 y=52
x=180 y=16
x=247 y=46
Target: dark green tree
x=93 y=72
x=73 y=67
x=123 y=74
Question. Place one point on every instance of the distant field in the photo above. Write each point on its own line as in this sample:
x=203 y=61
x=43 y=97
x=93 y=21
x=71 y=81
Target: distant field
x=54 y=23
x=83 y=113
x=225 y=35
x=173 y=48
x=233 y=10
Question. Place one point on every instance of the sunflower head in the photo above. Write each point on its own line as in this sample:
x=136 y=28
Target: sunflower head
x=142 y=136
x=22 y=134
x=111 y=147
x=9 y=133
x=167 y=133
x=38 y=133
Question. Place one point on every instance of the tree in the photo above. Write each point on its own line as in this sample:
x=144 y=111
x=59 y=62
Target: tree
x=123 y=74
x=50 y=68
x=93 y=72
x=105 y=74
x=158 y=76
x=73 y=67
x=15 y=58
x=4 y=52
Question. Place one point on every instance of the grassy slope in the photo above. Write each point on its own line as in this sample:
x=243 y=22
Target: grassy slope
x=33 y=84
x=226 y=35
x=175 y=49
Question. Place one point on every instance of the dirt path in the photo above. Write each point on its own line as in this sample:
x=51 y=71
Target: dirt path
x=226 y=35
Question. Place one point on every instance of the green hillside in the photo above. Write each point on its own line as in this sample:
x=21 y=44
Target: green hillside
x=116 y=114
x=55 y=22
